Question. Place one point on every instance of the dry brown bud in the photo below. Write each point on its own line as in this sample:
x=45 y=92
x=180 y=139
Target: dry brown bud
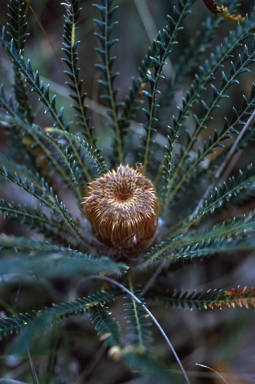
x=122 y=207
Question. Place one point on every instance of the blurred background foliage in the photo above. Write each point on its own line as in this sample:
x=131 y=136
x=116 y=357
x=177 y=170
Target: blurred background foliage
x=222 y=340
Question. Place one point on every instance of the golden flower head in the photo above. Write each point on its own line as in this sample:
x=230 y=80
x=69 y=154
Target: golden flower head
x=122 y=207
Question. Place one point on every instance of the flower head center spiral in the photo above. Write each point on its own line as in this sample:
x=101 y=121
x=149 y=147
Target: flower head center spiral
x=122 y=207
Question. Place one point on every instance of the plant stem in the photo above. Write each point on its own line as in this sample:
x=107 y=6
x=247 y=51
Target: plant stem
x=134 y=297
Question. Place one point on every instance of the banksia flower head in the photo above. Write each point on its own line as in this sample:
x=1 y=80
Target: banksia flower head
x=122 y=207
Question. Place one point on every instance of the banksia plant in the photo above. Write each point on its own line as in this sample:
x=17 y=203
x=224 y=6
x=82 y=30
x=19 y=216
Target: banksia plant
x=122 y=208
